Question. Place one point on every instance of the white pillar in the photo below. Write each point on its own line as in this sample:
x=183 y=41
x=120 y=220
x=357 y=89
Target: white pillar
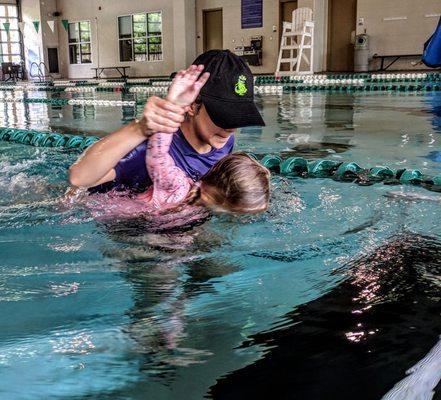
x=36 y=43
x=32 y=40
x=184 y=32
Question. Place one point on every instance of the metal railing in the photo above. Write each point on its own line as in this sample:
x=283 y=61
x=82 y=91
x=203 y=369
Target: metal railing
x=41 y=71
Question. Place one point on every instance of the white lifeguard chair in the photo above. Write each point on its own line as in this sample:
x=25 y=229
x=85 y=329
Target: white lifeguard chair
x=298 y=40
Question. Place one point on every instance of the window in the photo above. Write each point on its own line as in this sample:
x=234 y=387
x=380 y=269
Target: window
x=10 y=39
x=79 y=43
x=140 y=37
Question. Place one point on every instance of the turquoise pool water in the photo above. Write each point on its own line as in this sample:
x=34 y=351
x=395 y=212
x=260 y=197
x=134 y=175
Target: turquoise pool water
x=98 y=311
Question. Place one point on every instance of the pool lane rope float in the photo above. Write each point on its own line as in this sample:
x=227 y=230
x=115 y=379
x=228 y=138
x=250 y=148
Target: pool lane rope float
x=73 y=102
x=148 y=89
x=292 y=166
x=328 y=86
x=409 y=77
x=348 y=172
x=47 y=139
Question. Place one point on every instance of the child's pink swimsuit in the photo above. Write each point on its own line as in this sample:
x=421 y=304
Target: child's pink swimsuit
x=170 y=183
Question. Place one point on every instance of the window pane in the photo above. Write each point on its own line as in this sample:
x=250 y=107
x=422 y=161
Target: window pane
x=86 y=55
x=155 y=23
x=73 y=33
x=125 y=50
x=155 y=17
x=12 y=11
x=139 y=18
x=155 y=48
x=4 y=36
x=85 y=31
x=155 y=28
x=86 y=58
x=140 y=57
x=15 y=48
x=14 y=24
x=125 y=26
x=2 y=10
x=16 y=59
x=155 y=40
x=14 y=36
x=74 y=53
x=139 y=29
x=5 y=48
x=140 y=49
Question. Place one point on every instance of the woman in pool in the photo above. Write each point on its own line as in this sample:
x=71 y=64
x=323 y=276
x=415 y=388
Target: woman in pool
x=236 y=183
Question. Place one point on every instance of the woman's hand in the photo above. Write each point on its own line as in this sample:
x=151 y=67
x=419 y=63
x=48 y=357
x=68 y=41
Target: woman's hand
x=161 y=115
x=186 y=86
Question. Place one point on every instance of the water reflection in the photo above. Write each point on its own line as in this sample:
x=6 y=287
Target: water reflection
x=359 y=339
x=313 y=125
x=166 y=271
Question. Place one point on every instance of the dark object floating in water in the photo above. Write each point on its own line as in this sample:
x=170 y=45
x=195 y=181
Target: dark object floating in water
x=315 y=149
x=358 y=340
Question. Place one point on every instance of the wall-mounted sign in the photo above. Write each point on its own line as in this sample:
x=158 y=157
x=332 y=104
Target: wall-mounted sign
x=252 y=14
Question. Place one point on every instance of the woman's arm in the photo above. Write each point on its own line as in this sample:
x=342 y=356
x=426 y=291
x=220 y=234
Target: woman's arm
x=96 y=164
x=98 y=161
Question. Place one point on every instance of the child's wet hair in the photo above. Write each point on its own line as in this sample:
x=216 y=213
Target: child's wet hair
x=238 y=183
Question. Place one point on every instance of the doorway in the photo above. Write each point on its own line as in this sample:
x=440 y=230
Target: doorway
x=286 y=8
x=213 y=30
x=342 y=19
x=52 y=56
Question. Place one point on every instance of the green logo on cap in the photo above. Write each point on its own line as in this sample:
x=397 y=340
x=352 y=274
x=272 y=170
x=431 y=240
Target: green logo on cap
x=240 y=88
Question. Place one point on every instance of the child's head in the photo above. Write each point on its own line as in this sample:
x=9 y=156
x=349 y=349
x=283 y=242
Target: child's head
x=236 y=183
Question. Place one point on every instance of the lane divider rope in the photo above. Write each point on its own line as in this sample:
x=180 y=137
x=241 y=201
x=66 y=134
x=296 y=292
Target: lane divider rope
x=291 y=167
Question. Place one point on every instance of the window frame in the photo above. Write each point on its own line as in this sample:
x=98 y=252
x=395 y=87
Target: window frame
x=9 y=43
x=132 y=38
x=79 y=43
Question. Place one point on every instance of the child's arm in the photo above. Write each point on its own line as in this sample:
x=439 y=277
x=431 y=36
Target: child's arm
x=166 y=176
x=170 y=183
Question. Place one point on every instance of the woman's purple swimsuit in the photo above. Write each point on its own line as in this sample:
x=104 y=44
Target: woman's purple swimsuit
x=131 y=171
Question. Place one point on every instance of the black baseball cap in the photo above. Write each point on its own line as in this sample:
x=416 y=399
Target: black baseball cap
x=228 y=95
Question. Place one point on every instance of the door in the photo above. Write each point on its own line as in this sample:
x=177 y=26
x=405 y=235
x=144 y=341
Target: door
x=286 y=9
x=52 y=56
x=213 y=30
x=342 y=17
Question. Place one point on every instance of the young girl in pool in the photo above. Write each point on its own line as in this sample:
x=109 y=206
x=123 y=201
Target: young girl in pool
x=236 y=183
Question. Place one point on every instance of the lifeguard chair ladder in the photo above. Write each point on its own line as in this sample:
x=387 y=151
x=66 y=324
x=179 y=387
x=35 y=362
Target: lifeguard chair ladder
x=298 y=40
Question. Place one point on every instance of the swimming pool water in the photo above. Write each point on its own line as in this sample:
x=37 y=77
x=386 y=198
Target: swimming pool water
x=237 y=307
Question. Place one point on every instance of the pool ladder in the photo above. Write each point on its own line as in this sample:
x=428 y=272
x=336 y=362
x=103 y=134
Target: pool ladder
x=41 y=71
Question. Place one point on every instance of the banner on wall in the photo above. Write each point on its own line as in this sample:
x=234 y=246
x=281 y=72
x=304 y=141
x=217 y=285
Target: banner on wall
x=21 y=26
x=36 y=25
x=51 y=24
x=251 y=14
x=6 y=25
x=65 y=23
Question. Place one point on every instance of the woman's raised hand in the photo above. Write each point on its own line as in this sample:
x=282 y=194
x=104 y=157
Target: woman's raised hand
x=161 y=115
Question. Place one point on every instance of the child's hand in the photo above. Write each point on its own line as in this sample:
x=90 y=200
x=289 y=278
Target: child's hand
x=186 y=85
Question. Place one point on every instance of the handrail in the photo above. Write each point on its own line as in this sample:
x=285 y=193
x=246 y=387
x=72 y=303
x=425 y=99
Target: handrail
x=41 y=68
x=39 y=74
x=45 y=69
